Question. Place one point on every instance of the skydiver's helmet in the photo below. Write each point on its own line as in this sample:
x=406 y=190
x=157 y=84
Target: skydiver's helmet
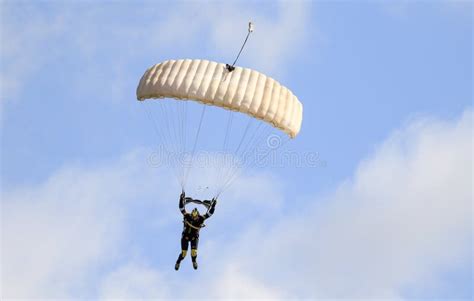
x=195 y=213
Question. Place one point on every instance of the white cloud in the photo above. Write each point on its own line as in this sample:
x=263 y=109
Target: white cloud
x=134 y=281
x=24 y=41
x=55 y=234
x=277 y=40
x=77 y=35
x=236 y=284
x=403 y=218
x=75 y=233
x=402 y=9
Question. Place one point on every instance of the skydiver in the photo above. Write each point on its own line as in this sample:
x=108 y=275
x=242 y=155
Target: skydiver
x=193 y=222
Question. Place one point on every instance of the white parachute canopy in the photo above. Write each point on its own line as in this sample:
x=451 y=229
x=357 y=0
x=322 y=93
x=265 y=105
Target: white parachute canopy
x=243 y=90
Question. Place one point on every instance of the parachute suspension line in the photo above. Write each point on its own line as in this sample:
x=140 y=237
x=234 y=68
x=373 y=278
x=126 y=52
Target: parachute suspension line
x=253 y=140
x=172 y=142
x=176 y=121
x=272 y=150
x=184 y=123
x=174 y=127
x=233 y=165
x=179 y=129
x=183 y=107
x=165 y=119
x=250 y=151
x=229 y=126
x=249 y=123
x=165 y=122
x=231 y=68
x=194 y=146
x=185 y=130
x=221 y=165
x=160 y=136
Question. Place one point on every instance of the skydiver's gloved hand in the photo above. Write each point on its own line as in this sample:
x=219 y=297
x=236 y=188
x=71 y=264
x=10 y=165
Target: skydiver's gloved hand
x=213 y=206
x=181 y=200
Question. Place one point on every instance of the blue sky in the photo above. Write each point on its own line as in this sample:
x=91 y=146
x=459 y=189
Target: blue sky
x=387 y=94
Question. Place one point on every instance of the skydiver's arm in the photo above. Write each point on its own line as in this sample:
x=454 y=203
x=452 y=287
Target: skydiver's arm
x=210 y=210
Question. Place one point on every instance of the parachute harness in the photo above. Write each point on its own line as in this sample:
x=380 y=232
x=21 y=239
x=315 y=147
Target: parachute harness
x=231 y=68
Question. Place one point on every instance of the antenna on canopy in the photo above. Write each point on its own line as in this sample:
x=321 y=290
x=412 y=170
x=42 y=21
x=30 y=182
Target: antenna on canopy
x=231 y=68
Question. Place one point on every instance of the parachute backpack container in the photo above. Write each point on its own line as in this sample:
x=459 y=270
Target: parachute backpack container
x=257 y=105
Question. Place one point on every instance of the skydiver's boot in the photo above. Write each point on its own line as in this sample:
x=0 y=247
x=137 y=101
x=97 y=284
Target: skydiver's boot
x=180 y=257
x=193 y=258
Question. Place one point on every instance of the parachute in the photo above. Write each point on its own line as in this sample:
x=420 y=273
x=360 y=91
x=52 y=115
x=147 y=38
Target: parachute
x=242 y=90
x=208 y=83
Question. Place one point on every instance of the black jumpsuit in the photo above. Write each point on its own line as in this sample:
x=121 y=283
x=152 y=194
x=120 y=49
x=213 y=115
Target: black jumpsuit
x=191 y=227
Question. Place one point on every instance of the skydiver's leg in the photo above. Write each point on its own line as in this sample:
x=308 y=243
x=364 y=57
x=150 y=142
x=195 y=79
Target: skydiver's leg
x=194 y=247
x=184 y=250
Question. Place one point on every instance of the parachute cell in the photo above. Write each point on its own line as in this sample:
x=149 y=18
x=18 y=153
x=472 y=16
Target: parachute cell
x=242 y=90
